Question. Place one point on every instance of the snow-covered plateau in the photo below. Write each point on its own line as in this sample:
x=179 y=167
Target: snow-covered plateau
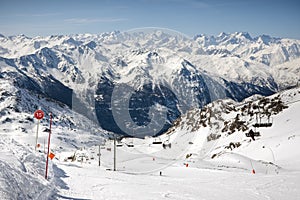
x=217 y=91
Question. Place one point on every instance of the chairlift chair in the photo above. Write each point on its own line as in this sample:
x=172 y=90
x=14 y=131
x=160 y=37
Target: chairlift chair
x=166 y=144
x=256 y=134
x=119 y=144
x=157 y=141
x=252 y=134
x=130 y=144
x=263 y=124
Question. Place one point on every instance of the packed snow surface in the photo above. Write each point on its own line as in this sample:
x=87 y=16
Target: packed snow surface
x=267 y=168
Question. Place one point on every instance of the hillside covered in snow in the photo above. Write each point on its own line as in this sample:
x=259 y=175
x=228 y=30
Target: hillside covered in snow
x=205 y=154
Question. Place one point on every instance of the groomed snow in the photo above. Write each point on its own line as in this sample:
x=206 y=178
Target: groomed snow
x=227 y=176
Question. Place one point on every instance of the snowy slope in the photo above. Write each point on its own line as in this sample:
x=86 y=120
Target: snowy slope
x=22 y=168
x=228 y=122
x=214 y=171
x=206 y=177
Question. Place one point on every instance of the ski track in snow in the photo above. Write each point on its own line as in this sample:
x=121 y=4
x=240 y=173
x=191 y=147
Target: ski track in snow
x=179 y=183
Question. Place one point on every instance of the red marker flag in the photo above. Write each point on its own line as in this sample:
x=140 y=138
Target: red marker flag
x=51 y=155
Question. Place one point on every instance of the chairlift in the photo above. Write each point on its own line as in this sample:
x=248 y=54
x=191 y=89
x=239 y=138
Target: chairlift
x=256 y=134
x=130 y=144
x=252 y=134
x=166 y=144
x=157 y=141
x=119 y=144
x=265 y=123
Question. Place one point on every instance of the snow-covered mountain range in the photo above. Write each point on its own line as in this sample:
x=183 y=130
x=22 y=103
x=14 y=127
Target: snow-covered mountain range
x=162 y=68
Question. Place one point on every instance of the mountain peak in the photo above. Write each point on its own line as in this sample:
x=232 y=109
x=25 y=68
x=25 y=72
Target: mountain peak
x=266 y=39
x=243 y=34
x=222 y=35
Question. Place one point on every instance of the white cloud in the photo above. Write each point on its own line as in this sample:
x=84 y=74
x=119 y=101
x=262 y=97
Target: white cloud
x=95 y=20
x=38 y=15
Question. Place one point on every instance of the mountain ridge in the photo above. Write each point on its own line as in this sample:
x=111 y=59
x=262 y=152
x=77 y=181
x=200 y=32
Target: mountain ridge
x=197 y=71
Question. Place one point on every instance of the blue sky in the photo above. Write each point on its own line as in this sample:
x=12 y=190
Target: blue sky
x=191 y=17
